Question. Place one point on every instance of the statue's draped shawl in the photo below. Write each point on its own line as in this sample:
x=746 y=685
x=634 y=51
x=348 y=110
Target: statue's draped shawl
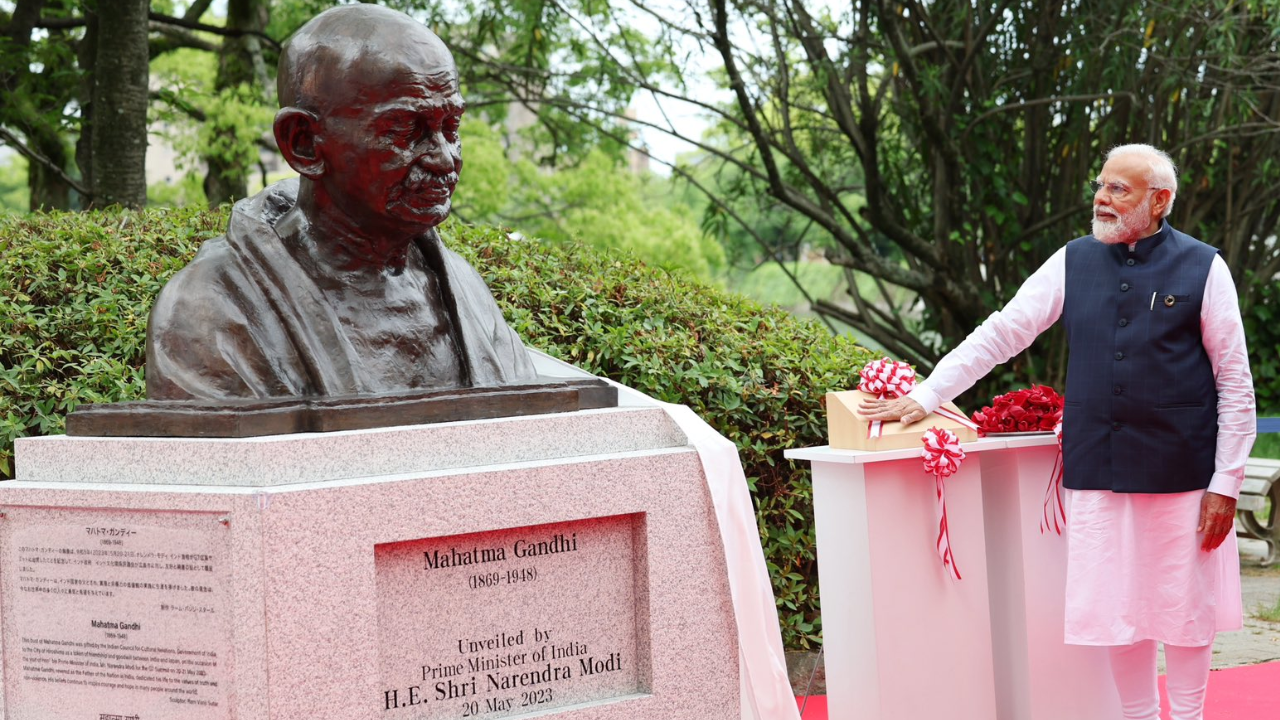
x=245 y=320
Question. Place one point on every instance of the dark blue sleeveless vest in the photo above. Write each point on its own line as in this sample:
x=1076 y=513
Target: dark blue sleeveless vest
x=1141 y=407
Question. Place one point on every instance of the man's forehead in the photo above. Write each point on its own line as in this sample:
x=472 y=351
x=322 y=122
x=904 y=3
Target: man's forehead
x=1129 y=167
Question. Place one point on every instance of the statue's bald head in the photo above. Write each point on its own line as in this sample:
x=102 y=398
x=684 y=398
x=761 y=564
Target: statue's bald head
x=346 y=48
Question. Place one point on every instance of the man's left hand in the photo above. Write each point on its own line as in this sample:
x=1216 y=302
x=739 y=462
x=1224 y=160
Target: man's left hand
x=1217 y=518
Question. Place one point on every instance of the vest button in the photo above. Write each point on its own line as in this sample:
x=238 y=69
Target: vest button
x=1115 y=426
x=1124 y=287
x=1123 y=322
x=1117 y=390
x=1129 y=262
x=1119 y=356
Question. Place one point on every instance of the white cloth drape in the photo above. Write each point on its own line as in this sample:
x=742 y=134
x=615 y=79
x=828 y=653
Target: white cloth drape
x=766 y=691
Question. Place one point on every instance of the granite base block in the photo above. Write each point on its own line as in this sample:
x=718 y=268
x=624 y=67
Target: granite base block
x=497 y=569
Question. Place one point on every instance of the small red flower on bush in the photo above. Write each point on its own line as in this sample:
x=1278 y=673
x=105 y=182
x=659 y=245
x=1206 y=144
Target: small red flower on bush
x=1035 y=409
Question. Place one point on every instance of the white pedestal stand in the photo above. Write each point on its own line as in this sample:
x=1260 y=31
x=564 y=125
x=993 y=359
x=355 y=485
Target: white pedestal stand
x=905 y=642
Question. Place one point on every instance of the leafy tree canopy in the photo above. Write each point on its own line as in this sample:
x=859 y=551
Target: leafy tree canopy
x=941 y=149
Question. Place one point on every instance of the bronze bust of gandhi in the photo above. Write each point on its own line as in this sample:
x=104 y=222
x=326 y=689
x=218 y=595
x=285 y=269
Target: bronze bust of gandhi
x=336 y=283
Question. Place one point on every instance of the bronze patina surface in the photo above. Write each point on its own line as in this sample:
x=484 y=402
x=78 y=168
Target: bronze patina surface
x=254 y=417
x=336 y=283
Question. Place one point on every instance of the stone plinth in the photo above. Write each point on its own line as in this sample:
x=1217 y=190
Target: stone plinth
x=565 y=564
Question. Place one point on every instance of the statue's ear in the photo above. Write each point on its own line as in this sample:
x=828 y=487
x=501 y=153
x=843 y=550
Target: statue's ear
x=296 y=133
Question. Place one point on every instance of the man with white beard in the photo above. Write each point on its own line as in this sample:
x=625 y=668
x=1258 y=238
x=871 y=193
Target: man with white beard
x=1158 y=424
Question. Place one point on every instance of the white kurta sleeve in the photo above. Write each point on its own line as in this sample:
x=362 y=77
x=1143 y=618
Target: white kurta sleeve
x=1223 y=335
x=1007 y=332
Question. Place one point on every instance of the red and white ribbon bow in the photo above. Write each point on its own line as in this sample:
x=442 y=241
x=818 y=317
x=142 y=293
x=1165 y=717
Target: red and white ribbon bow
x=1054 y=511
x=958 y=417
x=942 y=456
x=885 y=378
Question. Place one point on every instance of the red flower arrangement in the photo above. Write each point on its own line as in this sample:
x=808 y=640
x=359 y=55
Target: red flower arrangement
x=1035 y=409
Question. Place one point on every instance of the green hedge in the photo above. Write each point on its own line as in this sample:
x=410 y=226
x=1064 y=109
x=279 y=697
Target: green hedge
x=1262 y=327
x=77 y=288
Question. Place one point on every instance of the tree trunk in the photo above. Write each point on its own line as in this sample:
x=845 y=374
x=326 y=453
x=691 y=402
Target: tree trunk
x=120 y=104
x=86 y=55
x=48 y=190
x=228 y=176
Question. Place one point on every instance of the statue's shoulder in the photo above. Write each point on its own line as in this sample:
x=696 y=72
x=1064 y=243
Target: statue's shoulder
x=462 y=274
x=200 y=297
x=216 y=279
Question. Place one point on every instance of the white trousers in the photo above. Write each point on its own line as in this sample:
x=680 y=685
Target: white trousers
x=1134 y=669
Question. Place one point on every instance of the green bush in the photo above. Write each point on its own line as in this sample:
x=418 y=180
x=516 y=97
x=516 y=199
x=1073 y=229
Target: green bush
x=1262 y=327
x=75 y=293
x=77 y=289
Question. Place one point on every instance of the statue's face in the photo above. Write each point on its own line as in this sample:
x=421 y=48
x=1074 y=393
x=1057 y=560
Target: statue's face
x=391 y=147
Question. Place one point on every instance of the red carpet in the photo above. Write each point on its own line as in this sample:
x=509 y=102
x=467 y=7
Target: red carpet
x=815 y=709
x=1251 y=692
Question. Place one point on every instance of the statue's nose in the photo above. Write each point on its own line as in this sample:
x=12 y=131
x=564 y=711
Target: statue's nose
x=436 y=155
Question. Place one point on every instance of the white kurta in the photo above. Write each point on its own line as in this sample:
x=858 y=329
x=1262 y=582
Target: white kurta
x=1135 y=569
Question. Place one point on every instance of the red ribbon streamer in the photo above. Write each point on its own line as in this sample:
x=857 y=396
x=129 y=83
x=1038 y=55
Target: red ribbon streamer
x=942 y=456
x=944 y=412
x=1054 y=509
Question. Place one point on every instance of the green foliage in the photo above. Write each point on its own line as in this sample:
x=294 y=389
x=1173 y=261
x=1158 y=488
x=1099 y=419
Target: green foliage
x=939 y=148
x=77 y=288
x=578 y=70
x=202 y=121
x=14 y=194
x=1270 y=614
x=74 y=298
x=769 y=285
x=597 y=202
x=1267 y=446
x=1262 y=327
x=187 y=191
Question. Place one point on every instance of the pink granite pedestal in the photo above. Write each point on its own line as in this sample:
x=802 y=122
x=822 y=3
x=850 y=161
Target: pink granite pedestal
x=564 y=565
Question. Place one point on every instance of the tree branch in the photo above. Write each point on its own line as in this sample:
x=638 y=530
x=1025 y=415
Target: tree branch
x=17 y=144
x=1044 y=101
x=173 y=38
x=155 y=17
x=197 y=10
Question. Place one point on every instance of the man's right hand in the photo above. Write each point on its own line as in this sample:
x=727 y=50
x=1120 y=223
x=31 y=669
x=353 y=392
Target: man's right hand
x=904 y=409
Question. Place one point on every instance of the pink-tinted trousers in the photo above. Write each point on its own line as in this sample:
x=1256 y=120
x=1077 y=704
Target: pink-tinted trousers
x=1134 y=670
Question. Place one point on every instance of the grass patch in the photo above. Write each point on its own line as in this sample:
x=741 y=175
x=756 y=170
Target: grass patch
x=1270 y=614
x=1267 y=446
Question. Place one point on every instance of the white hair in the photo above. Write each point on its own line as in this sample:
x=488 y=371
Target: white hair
x=1161 y=173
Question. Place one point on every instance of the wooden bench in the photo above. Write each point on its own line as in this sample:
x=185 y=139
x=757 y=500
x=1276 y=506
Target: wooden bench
x=1260 y=498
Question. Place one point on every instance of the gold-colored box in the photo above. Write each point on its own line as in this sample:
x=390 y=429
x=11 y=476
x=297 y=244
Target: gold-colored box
x=847 y=430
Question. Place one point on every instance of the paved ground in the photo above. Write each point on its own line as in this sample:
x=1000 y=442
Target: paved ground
x=1258 y=642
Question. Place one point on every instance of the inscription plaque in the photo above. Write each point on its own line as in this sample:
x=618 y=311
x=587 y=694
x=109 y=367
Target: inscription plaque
x=509 y=622
x=115 y=614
